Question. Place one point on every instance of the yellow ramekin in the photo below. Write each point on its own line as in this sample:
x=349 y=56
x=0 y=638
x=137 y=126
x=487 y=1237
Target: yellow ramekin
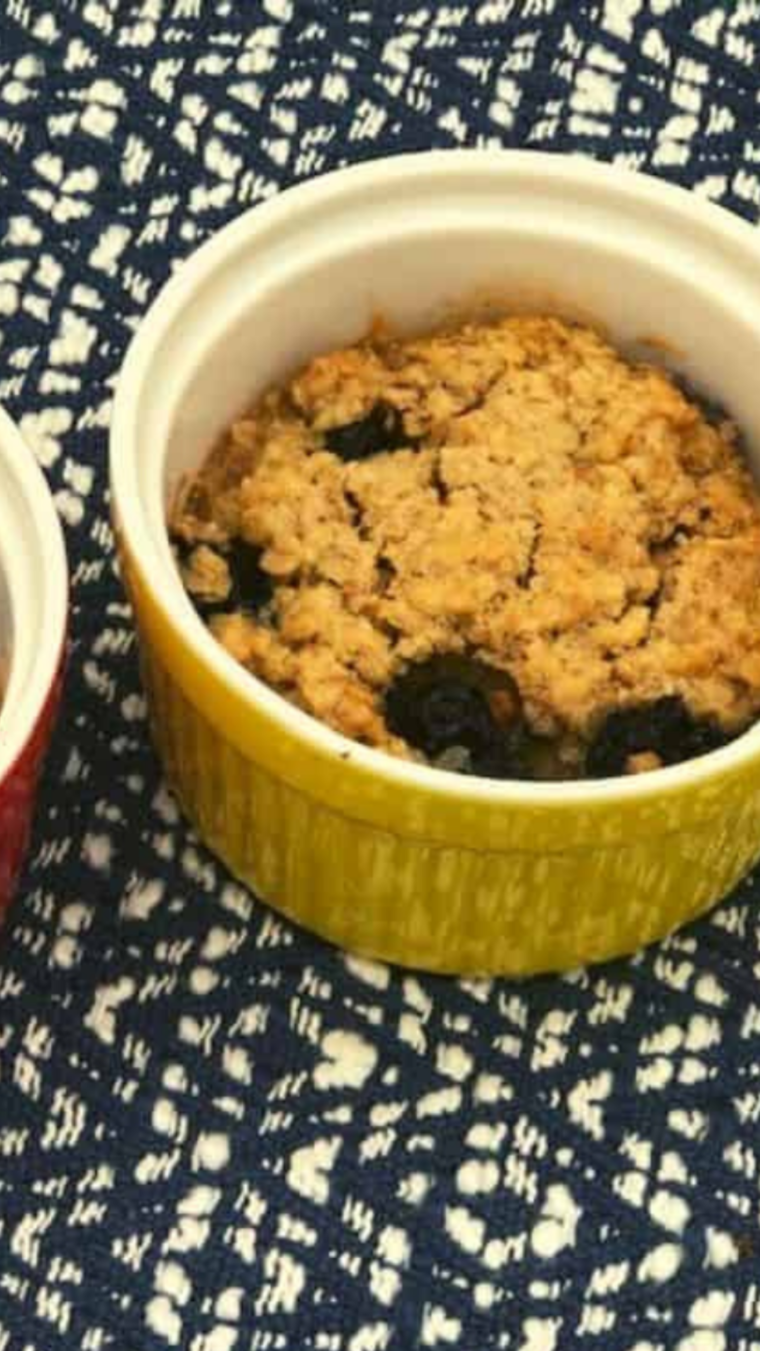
x=390 y=859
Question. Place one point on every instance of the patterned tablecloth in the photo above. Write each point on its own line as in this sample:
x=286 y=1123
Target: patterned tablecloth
x=216 y=1132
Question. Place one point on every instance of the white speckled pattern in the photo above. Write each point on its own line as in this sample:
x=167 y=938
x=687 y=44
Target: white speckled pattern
x=216 y=1132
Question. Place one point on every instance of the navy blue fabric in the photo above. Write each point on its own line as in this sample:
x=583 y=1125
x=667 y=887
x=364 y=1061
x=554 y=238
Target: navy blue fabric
x=215 y=1131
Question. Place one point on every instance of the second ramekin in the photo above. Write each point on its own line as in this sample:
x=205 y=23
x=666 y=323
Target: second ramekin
x=33 y=621
x=396 y=860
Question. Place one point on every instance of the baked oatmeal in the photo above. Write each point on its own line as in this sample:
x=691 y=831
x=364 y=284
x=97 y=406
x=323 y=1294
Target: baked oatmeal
x=504 y=549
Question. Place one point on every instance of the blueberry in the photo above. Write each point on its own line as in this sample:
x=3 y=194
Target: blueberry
x=664 y=726
x=449 y=701
x=252 y=588
x=379 y=430
x=707 y=736
x=441 y=714
x=182 y=548
x=507 y=757
x=455 y=714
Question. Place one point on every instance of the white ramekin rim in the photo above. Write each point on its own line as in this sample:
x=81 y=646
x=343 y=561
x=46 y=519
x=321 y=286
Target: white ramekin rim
x=573 y=172
x=35 y=572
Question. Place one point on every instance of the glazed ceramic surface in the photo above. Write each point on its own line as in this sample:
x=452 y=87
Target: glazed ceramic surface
x=33 y=609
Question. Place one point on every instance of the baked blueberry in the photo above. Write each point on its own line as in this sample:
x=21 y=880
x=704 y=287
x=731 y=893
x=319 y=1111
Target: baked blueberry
x=432 y=716
x=251 y=587
x=663 y=727
x=449 y=702
x=181 y=547
x=507 y=757
x=381 y=429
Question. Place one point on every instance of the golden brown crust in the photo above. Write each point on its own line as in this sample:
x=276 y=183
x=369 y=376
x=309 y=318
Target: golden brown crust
x=562 y=514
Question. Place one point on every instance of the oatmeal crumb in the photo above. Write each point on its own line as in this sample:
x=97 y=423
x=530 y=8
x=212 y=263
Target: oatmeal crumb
x=643 y=762
x=543 y=506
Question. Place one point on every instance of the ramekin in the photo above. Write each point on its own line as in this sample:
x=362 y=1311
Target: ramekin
x=395 y=860
x=33 y=623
